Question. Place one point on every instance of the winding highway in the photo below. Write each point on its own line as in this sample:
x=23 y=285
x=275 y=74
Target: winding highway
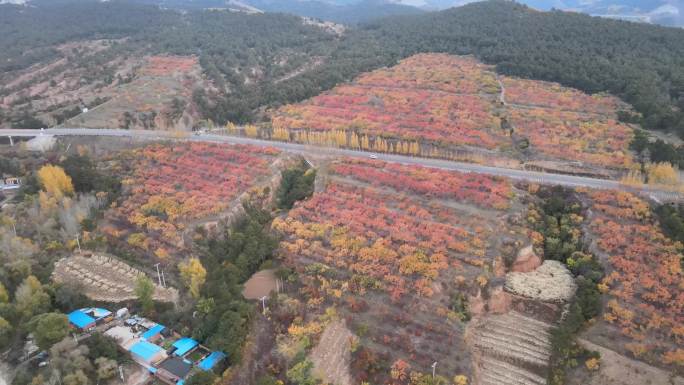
x=658 y=194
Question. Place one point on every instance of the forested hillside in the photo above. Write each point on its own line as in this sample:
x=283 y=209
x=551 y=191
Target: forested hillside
x=267 y=60
x=643 y=64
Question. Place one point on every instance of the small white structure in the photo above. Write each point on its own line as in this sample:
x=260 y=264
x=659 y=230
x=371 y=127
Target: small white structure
x=122 y=313
x=41 y=143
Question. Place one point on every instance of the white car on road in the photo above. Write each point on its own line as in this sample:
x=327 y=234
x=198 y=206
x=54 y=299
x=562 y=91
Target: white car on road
x=373 y=156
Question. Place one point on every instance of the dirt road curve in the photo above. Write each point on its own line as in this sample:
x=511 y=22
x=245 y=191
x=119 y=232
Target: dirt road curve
x=531 y=176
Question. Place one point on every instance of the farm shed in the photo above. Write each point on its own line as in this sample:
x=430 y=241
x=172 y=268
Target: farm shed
x=147 y=353
x=211 y=360
x=153 y=333
x=184 y=346
x=81 y=320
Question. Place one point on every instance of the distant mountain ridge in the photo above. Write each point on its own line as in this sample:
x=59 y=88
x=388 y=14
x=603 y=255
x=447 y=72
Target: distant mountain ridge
x=348 y=12
x=664 y=12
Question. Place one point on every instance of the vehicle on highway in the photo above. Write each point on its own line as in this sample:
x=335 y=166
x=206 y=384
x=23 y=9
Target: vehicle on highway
x=373 y=156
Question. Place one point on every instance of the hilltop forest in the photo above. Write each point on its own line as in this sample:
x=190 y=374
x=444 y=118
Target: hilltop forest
x=265 y=60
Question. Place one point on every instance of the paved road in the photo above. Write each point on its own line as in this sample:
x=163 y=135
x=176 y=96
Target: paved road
x=532 y=176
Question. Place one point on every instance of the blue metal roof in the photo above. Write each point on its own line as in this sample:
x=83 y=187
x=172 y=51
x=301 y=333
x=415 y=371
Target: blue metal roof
x=80 y=319
x=211 y=360
x=184 y=345
x=153 y=331
x=145 y=350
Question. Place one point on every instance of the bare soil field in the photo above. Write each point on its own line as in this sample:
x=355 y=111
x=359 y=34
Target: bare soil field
x=616 y=369
x=105 y=278
x=261 y=284
x=98 y=84
x=158 y=98
x=87 y=74
x=332 y=356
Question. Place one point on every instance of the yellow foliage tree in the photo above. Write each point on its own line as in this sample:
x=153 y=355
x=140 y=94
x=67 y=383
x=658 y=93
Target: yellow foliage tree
x=193 y=275
x=4 y=296
x=55 y=181
x=251 y=130
x=592 y=364
x=674 y=357
x=460 y=380
x=662 y=173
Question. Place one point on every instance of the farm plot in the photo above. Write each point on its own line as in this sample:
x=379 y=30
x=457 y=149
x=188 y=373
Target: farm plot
x=395 y=249
x=87 y=74
x=159 y=97
x=426 y=99
x=644 y=315
x=535 y=93
x=567 y=135
x=104 y=278
x=454 y=107
x=507 y=345
x=173 y=185
x=460 y=75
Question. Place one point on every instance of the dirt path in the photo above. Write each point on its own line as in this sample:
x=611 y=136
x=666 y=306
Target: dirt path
x=305 y=68
x=617 y=369
x=332 y=356
x=4 y=372
x=464 y=207
x=502 y=95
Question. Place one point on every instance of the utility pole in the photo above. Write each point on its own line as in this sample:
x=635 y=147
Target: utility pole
x=121 y=373
x=158 y=274
x=263 y=304
x=78 y=243
x=11 y=142
x=163 y=278
x=434 y=366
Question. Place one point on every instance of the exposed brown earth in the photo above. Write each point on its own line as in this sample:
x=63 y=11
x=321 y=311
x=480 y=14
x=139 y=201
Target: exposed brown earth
x=105 y=278
x=616 y=369
x=332 y=356
x=261 y=284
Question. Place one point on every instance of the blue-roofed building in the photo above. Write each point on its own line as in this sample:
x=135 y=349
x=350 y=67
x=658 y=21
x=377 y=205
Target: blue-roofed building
x=81 y=320
x=153 y=333
x=184 y=346
x=147 y=353
x=211 y=360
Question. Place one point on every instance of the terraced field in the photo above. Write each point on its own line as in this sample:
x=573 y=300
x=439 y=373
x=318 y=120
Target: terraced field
x=457 y=108
x=400 y=258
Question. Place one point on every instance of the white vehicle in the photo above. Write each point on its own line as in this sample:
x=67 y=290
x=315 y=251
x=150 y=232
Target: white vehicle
x=373 y=156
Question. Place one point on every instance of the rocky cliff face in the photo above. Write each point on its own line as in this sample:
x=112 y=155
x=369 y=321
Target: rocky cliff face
x=510 y=331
